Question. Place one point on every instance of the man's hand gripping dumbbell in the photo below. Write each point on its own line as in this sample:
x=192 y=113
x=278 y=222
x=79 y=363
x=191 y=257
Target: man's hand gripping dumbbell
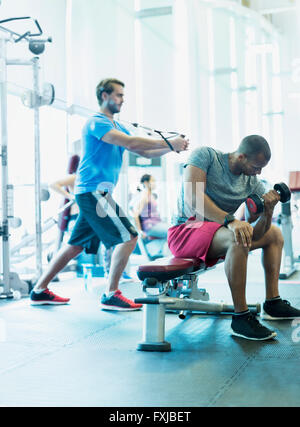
x=257 y=205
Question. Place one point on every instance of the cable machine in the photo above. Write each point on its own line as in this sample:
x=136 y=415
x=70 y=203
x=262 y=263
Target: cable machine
x=9 y=281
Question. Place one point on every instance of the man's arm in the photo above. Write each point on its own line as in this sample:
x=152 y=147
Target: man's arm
x=195 y=183
x=261 y=226
x=151 y=154
x=262 y=223
x=242 y=230
x=144 y=146
x=136 y=215
x=59 y=185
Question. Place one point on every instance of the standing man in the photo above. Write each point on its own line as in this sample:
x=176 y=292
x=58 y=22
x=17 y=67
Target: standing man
x=100 y=218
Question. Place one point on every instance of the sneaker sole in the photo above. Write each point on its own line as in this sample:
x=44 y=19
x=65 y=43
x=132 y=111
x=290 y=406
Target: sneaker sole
x=269 y=337
x=115 y=308
x=48 y=303
x=266 y=316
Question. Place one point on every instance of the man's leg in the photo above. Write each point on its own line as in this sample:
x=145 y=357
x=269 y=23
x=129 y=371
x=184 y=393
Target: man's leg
x=236 y=262
x=106 y=257
x=40 y=295
x=271 y=244
x=236 y=257
x=243 y=324
x=108 y=223
x=119 y=261
x=274 y=308
x=113 y=299
x=57 y=264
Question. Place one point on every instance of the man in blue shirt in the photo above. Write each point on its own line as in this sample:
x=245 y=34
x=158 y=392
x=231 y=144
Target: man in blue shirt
x=100 y=218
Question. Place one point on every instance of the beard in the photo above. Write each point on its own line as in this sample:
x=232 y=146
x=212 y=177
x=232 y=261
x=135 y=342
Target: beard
x=113 y=107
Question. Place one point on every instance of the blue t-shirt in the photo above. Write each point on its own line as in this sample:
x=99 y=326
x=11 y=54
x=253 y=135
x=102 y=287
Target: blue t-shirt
x=100 y=163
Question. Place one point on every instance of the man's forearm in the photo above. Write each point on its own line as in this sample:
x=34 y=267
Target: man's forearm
x=150 y=154
x=262 y=225
x=144 y=146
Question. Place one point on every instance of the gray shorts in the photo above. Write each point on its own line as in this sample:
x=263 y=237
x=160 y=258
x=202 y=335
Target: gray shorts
x=100 y=220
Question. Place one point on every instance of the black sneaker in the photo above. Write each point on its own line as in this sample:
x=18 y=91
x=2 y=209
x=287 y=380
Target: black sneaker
x=247 y=326
x=279 y=310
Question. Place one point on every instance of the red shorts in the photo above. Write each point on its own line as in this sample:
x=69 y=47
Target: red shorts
x=193 y=239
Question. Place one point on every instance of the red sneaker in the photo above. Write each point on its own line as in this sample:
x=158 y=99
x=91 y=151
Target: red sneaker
x=47 y=298
x=118 y=302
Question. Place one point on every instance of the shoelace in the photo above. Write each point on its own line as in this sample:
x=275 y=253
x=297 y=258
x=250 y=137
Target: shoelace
x=51 y=294
x=254 y=320
x=121 y=297
x=284 y=301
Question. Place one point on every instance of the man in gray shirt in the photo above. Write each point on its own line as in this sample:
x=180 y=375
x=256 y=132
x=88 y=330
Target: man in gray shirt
x=215 y=185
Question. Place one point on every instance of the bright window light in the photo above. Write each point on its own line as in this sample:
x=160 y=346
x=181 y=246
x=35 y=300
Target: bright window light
x=234 y=84
x=251 y=119
x=265 y=96
x=276 y=81
x=211 y=65
x=69 y=74
x=182 y=66
x=138 y=63
x=277 y=108
x=278 y=152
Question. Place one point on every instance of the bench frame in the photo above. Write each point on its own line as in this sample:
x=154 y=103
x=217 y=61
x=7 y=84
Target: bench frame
x=180 y=294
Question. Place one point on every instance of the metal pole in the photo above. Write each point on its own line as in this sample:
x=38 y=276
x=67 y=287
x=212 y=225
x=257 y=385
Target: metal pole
x=37 y=177
x=4 y=169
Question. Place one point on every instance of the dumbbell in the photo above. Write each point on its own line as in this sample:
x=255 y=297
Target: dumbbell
x=255 y=203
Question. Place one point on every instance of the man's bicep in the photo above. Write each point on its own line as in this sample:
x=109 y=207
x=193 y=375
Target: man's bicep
x=195 y=175
x=250 y=217
x=115 y=137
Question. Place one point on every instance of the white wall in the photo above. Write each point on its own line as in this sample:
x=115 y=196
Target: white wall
x=232 y=65
x=102 y=45
x=51 y=17
x=288 y=24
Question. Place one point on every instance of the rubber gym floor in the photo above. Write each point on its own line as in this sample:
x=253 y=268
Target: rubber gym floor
x=79 y=355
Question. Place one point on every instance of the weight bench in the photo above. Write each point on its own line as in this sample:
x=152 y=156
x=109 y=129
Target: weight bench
x=171 y=284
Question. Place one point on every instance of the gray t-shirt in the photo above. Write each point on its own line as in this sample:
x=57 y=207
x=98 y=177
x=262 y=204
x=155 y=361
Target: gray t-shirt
x=226 y=190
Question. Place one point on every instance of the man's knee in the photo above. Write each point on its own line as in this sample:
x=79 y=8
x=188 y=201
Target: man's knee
x=74 y=250
x=231 y=243
x=132 y=242
x=276 y=236
x=223 y=242
x=233 y=247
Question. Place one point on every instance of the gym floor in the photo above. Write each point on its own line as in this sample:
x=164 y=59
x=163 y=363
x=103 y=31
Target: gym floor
x=78 y=355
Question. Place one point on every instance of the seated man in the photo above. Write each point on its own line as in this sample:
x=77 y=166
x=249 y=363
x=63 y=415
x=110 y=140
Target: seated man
x=215 y=185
